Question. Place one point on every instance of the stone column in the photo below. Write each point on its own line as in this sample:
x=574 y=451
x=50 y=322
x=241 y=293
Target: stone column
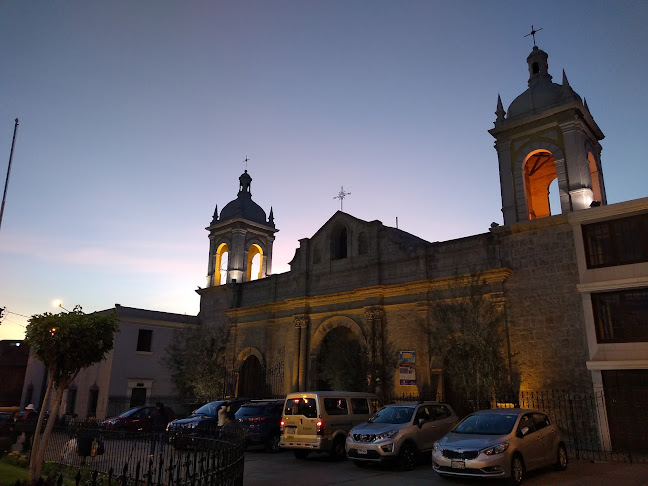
x=302 y=321
x=294 y=383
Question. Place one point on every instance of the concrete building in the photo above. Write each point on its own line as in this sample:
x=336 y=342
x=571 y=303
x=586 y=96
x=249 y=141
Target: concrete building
x=132 y=373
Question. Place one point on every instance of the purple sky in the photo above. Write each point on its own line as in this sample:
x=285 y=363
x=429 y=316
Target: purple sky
x=135 y=118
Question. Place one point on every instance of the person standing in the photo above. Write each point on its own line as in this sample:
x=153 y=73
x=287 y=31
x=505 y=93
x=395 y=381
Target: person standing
x=29 y=419
x=159 y=421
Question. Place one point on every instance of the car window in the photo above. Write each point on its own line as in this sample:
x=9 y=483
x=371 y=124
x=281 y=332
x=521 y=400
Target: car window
x=336 y=406
x=375 y=405
x=360 y=405
x=439 y=412
x=301 y=406
x=422 y=413
x=208 y=409
x=527 y=421
x=487 y=424
x=393 y=415
x=540 y=421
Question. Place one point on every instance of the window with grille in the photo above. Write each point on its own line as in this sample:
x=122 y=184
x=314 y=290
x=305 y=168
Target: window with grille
x=616 y=242
x=621 y=317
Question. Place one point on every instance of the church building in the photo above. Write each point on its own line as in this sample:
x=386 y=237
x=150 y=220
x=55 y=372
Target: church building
x=573 y=286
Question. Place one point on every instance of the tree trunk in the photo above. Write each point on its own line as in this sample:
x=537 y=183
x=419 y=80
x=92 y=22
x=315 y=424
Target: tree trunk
x=37 y=459
x=37 y=433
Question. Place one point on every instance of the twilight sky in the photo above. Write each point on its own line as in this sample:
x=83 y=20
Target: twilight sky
x=135 y=118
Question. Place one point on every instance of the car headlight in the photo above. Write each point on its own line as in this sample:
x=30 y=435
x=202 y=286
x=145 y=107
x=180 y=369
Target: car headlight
x=437 y=447
x=496 y=449
x=387 y=435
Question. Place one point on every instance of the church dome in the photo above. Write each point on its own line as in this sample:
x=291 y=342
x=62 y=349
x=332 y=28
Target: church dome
x=243 y=206
x=542 y=93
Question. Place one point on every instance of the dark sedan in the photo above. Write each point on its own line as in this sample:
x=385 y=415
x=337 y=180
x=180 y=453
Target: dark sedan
x=135 y=419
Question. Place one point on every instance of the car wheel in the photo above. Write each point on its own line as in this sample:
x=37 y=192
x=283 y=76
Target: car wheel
x=299 y=454
x=561 y=457
x=407 y=457
x=338 y=451
x=517 y=470
x=272 y=444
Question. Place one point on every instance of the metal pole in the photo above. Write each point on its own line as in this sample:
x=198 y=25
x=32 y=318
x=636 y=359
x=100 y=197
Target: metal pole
x=4 y=197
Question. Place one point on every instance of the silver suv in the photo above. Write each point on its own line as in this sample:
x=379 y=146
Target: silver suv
x=400 y=432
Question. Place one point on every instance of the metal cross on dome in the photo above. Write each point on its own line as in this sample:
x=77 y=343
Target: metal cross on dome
x=246 y=161
x=341 y=195
x=533 y=33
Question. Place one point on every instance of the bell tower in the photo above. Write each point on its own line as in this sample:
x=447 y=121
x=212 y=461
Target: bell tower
x=548 y=133
x=240 y=239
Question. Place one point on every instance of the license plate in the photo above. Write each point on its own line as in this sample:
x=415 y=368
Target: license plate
x=290 y=429
x=457 y=464
x=362 y=452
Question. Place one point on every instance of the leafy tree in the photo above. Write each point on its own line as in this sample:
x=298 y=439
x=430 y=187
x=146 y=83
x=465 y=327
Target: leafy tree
x=196 y=360
x=342 y=362
x=467 y=335
x=66 y=343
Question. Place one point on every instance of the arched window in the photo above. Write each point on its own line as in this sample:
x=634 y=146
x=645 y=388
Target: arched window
x=220 y=266
x=363 y=244
x=254 y=263
x=339 y=242
x=596 y=177
x=539 y=172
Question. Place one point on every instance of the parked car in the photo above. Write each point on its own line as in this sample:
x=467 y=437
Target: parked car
x=319 y=421
x=260 y=420
x=202 y=421
x=399 y=432
x=503 y=443
x=135 y=419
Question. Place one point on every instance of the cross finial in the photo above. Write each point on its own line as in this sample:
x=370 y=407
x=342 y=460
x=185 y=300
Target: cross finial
x=341 y=195
x=246 y=161
x=533 y=33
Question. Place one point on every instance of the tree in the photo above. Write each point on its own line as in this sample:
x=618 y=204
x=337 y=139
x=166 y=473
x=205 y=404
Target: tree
x=467 y=335
x=196 y=360
x=66 y=343
x=342 y=362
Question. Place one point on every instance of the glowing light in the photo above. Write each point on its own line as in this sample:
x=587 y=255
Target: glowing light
x=57 y=303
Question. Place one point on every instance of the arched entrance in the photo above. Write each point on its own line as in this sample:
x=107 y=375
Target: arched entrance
x=251 y=379
x=341 y=362
x=539 y=173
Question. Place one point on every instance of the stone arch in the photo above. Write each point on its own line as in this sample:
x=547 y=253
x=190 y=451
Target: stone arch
x=254 y=250
x=221 y=256
x=339 y=242
x=532 y=196
x=322 y=330
x=596 y=173
x=251 y=379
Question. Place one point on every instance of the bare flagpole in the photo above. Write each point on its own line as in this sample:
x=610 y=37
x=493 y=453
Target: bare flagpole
x=4 y=197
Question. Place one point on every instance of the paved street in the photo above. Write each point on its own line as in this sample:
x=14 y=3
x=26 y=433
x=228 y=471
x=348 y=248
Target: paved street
x=262 y=469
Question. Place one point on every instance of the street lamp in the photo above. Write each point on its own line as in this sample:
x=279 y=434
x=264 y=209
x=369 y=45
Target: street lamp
x=59 y=303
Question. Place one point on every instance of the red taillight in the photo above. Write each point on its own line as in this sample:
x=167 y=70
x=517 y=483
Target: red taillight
x=320 y=427
x=281 y=426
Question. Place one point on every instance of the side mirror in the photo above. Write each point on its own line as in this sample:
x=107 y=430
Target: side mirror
x=421 y=421
x=524 y=431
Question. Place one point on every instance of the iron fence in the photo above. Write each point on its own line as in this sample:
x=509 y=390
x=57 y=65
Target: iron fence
x=137 y=458
x=581 y=415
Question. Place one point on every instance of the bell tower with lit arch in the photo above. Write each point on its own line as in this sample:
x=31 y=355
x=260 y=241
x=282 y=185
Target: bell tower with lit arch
x=240 y=239
x=548 y=133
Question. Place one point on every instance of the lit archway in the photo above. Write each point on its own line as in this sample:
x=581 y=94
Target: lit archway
x=539 y=172
x=596 y=177
x=220 y=266
x=254 y=263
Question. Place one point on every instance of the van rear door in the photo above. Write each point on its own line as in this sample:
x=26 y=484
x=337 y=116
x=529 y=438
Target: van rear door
x=300 y=419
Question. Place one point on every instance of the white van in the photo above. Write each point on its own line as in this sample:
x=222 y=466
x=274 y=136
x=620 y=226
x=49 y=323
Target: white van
x=320 y=420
